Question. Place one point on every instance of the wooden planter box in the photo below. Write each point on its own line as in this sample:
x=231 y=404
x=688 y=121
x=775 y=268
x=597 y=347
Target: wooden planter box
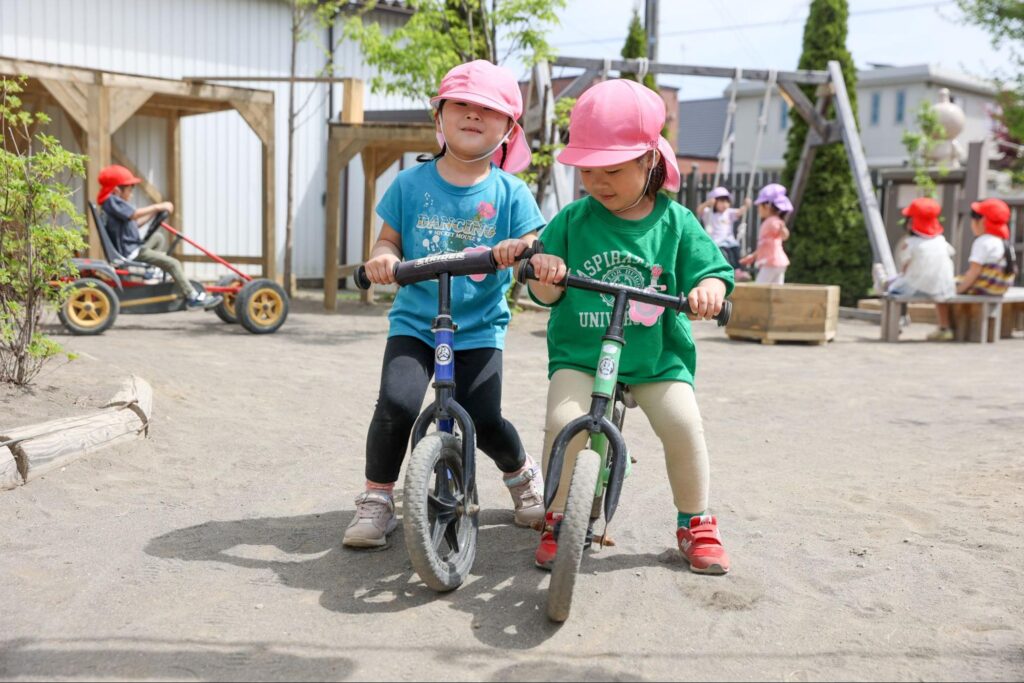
x=772 y=313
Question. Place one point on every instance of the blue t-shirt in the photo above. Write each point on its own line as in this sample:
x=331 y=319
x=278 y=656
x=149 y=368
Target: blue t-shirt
x=433 y=216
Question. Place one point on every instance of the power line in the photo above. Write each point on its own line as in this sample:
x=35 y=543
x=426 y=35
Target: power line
x=765 y=24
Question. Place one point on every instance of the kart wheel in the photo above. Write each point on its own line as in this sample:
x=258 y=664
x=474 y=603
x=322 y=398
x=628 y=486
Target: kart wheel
x=572 y=534
x=90 y=308
x=225 y=310
x=439 y=519
x=261 y=306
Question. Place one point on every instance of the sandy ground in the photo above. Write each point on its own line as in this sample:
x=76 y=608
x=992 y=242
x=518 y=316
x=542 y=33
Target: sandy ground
x=870 y=496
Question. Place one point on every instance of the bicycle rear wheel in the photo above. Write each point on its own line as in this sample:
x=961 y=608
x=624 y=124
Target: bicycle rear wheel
x=440 y=518
x=572 y=534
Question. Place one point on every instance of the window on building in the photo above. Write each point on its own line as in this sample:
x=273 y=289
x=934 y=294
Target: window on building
x=901 y=105
x=783 y=115
x=876 y=107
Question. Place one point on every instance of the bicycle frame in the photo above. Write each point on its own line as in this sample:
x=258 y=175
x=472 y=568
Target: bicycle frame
x=445 y=411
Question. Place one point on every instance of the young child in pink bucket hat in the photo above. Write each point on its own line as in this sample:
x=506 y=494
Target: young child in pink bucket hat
x=769 y=258
x=464 y=198
x=627 y=231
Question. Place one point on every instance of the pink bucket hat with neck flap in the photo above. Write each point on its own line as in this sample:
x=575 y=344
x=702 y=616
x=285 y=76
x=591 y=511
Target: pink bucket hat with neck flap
x=488 y=85
x=616 y=121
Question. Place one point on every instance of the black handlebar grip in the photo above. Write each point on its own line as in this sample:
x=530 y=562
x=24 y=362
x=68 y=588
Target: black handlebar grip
x=724 y=314
x=362 y=282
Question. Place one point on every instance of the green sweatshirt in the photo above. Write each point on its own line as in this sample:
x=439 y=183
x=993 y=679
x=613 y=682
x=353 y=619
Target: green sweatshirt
x=668 y=250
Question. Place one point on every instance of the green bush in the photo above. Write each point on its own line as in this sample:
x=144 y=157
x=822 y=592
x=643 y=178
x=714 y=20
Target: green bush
x=829 y=243
x=35 y=250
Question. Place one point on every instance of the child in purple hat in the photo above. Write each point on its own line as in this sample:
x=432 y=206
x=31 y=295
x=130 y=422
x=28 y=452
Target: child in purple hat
x=719 y=218
x=769 y=258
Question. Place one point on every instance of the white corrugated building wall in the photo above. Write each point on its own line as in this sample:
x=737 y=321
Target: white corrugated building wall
x=220 y=154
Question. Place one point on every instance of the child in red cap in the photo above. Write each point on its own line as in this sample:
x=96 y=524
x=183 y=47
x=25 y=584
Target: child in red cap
x=992 y=263
x=465 y=198
x=628 y=231
x=117 y=184
x=924 y=257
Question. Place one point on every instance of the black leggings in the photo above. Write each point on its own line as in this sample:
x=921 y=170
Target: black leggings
x=732 y=255
x=408 y=367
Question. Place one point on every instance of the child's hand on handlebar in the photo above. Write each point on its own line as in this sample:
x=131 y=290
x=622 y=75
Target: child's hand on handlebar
x=507 y=251
x=706 y=299
x=381 y=269
x=548 y=268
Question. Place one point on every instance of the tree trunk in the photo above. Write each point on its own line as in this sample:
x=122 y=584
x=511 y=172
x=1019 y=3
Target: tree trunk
x=289 y=226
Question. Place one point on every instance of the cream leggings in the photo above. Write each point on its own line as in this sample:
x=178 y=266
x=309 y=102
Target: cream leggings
x=672 y=410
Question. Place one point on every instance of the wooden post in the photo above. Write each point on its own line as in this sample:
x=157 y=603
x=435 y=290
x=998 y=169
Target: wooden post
x=269 y=229
x=352 y=101
x=333 y=222
x=369 y=155
x=861 y=176
x=173 y=189
x=811 y=143
x=97 y=149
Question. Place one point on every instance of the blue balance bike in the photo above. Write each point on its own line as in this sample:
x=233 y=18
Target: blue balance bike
x=440 y=508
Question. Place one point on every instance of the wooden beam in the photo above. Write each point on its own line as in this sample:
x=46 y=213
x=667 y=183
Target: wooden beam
x=269 y=219
x=332 y=222
x=861 y=176
x=259 y=117
x=123 y=105
x=369 y=204
x=71 y=97
x=120 y=157
x=798 y=101
x=352 y=101
x=634 y=66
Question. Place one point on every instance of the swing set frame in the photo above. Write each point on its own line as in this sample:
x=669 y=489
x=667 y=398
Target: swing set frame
x=539 y=122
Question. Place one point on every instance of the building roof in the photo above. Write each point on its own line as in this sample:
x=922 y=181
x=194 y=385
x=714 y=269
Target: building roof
x=701 y=123
x=928 y=74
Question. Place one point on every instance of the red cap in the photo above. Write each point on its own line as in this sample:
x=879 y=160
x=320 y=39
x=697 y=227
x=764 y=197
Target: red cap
x=997 y=216
x=923 y=213
x=114 y=176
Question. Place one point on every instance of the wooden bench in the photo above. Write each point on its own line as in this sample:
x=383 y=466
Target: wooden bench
x=975 y=318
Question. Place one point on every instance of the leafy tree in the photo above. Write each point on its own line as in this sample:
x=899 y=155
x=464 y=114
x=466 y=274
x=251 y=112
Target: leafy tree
x=829 y=243
x=920 y=144
x=636 y=47
x=1004 y=21
x=35 y=249
x=442 y=34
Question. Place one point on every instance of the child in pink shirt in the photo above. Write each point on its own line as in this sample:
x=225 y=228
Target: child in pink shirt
x=770 y=259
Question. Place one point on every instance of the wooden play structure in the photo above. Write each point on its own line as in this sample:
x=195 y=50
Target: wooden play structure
x=97 y=103
x=380 y=145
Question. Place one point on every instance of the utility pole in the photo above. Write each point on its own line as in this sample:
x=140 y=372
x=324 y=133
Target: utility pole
x=651 y=27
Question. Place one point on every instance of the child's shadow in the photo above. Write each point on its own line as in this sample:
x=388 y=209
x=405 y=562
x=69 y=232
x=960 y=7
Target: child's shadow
x=505 y=594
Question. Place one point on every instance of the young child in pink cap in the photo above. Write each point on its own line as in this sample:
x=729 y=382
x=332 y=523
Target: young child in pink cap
x=465 y=198
x=629 y=232
x=719 y=219
x=769 y=258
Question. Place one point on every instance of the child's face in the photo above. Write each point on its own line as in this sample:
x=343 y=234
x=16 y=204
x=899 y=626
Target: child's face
x=617 y=187
x=471 y=130
x=764 y=210
x=125 y=192
x=722 y=204
x=978 y=226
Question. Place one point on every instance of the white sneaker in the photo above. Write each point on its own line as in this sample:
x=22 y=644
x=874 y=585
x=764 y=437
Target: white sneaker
x=373 y=521
x=878 y=278
x=527 y=491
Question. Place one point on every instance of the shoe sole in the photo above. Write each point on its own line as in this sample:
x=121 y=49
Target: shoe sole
x=541 y=565
x=710 y=570
x=370 y=543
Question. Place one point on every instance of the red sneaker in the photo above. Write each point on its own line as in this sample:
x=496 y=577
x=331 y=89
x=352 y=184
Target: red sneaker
x=545 y=555
x=701 y=545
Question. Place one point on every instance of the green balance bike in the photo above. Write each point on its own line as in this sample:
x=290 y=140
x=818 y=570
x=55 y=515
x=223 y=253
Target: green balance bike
x=602 y=465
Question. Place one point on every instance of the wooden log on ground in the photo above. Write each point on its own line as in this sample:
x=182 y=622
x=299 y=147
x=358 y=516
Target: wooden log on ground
x=41 y=448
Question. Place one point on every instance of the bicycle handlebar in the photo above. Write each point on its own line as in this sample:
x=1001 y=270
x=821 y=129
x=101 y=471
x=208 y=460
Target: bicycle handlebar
x=677 y=303
x=429 y=267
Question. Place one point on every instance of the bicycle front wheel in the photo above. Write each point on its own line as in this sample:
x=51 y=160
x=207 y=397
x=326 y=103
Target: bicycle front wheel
x=440 y=518
x=572 y=534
